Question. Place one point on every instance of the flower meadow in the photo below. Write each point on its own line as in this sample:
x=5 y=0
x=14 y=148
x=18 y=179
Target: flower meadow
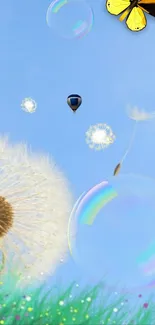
x=58 y=306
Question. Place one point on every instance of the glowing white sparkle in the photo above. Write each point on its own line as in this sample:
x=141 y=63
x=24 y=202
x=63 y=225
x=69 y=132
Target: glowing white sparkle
x=88 y=299
x=99 y=136
x=28 y=298
x=115 y=310
x=61 y=302
x=29 y=105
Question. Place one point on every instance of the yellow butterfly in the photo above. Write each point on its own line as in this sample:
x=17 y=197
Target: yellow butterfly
x=133 y=11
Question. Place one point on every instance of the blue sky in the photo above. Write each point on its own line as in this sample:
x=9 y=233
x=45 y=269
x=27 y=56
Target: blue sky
x=110 y=68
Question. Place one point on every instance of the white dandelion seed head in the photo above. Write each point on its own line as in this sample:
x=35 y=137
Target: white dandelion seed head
x=29 y=105
x=41 y=202
x=99 y=136
x=137 y=114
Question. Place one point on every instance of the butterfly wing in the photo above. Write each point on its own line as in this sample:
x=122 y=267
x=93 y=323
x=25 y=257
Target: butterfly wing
x=148 y=6
x=116 y=7
x=136 y=20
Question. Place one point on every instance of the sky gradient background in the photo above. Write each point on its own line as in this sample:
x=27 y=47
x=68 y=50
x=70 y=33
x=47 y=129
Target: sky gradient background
x=110 y=68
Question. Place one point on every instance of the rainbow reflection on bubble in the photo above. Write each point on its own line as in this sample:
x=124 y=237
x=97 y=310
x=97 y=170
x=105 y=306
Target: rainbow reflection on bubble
x=117 y=241
x=93 y=201
x=57 y=5
x=87 y=207
x=146 y=260
x=70 y=18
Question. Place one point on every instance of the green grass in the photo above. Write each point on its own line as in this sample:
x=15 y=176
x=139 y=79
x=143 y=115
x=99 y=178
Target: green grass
x=91 y=306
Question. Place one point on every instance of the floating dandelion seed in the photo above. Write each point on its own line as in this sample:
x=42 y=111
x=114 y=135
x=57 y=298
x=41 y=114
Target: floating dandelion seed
x=33 y=222
x=138 y=115
x=99 y=136
x=29 y=105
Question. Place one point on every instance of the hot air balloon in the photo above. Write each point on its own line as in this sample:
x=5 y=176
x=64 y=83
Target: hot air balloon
x=74 y=101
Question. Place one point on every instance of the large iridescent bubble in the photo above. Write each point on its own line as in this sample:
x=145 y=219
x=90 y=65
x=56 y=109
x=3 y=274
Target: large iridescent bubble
x=70 y=18
x=111 y=233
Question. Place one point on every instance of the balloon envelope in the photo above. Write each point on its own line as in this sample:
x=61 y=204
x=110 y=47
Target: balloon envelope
x=74 y=101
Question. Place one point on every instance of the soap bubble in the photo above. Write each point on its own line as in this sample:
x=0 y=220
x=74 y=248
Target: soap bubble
x=119 y=246
x=70 y=18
